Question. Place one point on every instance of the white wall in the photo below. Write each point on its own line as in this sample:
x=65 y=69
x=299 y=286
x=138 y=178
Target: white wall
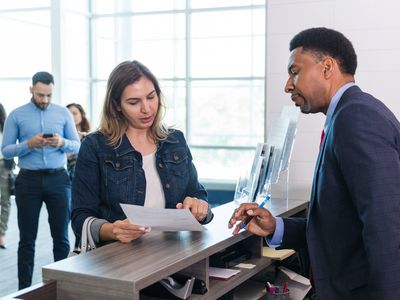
x=373 y=27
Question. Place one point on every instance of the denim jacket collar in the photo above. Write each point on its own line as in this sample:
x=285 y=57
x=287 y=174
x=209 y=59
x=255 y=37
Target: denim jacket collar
x=169 y=140
x=125 y=146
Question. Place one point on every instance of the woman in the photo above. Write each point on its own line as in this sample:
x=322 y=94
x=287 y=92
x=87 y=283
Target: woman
x=133 y=158
x=5 y=170
x=83 y=127
x=81 y=122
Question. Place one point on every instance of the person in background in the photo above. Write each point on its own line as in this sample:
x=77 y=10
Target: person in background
x=133 y=158
x=352 y=232
x=5 y=170
x=81 y=122
x=83 y=127
x=40 y=133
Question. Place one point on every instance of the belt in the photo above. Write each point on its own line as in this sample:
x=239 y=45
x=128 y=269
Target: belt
x=42 y=171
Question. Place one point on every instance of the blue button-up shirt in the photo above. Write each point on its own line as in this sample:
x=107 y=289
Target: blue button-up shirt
x=28 y=121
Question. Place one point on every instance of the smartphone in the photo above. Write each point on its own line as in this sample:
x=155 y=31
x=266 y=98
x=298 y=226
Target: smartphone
x=48 y=135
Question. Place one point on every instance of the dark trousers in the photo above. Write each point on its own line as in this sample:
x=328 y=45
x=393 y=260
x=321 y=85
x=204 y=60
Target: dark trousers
x=31 y=190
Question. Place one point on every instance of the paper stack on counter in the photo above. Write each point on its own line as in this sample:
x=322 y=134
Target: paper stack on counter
x=298 y=285
x=277 y=254
x=222 y=273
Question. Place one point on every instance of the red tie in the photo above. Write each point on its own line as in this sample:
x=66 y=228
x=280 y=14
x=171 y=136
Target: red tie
x=322 y=137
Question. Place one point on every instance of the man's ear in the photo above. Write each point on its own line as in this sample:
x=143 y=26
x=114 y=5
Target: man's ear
x=31 y=89
x=329 y=66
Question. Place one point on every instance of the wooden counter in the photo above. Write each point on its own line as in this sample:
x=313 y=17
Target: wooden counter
x=120 y=271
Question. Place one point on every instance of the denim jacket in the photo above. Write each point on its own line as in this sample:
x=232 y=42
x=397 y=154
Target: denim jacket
x=106 y=176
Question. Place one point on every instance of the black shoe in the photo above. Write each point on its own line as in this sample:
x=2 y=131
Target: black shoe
x=2 y=242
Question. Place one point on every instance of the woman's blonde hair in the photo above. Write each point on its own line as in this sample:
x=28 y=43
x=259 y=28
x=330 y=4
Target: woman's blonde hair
x=113 y=123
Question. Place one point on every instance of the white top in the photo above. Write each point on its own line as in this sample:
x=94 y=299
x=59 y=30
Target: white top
x=154 y=192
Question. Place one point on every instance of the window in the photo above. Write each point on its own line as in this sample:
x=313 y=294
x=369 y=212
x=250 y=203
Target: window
x=209 y=57
x=74 y=55
x=44 y=35
x=26 y=48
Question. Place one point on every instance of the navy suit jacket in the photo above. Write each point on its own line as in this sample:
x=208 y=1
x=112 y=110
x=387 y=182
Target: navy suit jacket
x=353 y=227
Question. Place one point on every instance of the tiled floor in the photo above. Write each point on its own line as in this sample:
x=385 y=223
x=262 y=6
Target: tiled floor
x=8 y=257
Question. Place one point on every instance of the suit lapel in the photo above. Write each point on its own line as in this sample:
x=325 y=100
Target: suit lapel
x=346 y=95
x=316 y=170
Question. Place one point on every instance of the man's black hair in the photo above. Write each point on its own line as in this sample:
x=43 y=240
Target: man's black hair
x=43 y=77
x=330 y=42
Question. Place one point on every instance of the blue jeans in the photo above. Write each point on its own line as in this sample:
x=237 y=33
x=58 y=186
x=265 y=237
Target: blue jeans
x=31 y=190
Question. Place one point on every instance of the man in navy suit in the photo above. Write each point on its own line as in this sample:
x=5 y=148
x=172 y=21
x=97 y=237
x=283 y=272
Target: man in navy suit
x=352 y=231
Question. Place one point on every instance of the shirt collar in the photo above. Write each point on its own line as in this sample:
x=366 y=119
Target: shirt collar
x=334 y=102
x=33 y=103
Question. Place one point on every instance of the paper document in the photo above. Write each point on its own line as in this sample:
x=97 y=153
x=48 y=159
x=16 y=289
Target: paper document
x=222 y=273
x=245 y=266
x=298 y=285
x=277 y=254
x=162 y=219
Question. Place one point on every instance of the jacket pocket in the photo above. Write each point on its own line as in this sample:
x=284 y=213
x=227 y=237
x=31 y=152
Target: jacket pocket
x=176 y=162
x=119 y=170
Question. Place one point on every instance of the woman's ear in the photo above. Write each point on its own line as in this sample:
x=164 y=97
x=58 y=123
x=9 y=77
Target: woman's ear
x=114 y=111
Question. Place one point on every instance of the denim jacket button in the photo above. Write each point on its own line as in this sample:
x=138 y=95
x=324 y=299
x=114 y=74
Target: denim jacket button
x=167 y=186
x=176 y=157
x=117 y=164
x=160 y=165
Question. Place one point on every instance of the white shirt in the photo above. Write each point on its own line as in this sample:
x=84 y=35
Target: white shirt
x=154 y=192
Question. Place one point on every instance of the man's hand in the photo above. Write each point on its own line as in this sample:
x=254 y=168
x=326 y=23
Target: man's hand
x=198 y=207
x=262 y=224
x=56 y=141
x=38 y=141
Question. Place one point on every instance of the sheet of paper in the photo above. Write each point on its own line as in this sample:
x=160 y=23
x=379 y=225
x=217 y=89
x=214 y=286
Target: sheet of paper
x=222 y=273
x=298 y=285
x=245 y=266
x=294 y=276
x=162 y=219
x=277 y=254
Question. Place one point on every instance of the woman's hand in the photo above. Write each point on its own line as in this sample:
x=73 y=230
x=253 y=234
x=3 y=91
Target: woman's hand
x=198 y=207
x=126 y=232
x=122 y=231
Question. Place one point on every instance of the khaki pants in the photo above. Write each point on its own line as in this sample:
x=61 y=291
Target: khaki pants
x=5 y=202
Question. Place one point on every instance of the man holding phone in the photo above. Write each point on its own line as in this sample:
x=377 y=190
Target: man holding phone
x=40 y=134
x=48 y=135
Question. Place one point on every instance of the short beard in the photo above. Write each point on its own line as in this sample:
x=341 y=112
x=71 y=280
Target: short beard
x=37 y=105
